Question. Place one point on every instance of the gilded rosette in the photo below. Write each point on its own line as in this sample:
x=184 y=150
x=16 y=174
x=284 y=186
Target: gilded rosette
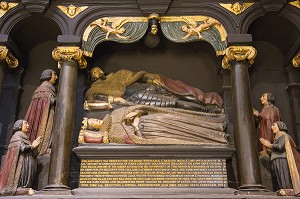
x=3 y=52
x=238 y=53
x=182 y=29
x=118 y=29
x=69 y=53
x=296 y=60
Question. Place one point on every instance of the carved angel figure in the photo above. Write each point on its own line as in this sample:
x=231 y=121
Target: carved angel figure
x=71 y=10
x=192 y=28
x=115 y=28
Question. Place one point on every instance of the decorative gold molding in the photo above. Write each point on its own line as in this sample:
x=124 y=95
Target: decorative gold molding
x=5 y=54
x=236 y=8
x=5 y=6
x=72 y=11
x=69 y=53
x=295 y=3
x=296 y=60
x=238 y=53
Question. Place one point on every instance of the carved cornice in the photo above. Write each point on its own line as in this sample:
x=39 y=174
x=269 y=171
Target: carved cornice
x=69 y=53
x=236 y=8
x=5 y=6
x=5 y=55
x=71 y=10
x=238 y=53
x=295 y=3
x=296 y=60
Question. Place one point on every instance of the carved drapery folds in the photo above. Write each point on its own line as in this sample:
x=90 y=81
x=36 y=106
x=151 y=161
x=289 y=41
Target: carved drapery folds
x=238 y=53
x=5 y=7
x=72 y=11
x=236 y=8
x=184 y=29
x=180 y=29
x=7 y=56
x=69 y=53
x=296 y=60
x=118 y=29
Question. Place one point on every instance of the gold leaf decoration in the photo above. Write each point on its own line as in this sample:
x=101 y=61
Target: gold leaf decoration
x=72 y=11
x=5 y=6
x=236 y=8
x=295 y=3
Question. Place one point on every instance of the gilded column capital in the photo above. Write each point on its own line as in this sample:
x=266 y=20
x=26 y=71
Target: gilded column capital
x=7 y=56
x=238 y=53
x=296 y=60
x=69 y=53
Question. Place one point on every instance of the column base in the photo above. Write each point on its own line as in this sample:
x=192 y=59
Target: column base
x=253 y=190
x=55 y=189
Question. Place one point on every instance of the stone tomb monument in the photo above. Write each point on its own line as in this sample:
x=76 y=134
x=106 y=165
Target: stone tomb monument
x=152 y=135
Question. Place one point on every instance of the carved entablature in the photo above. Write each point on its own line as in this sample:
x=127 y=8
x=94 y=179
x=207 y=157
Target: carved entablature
x=180 y=29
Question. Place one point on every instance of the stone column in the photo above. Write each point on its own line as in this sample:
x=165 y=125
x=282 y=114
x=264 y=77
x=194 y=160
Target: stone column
x=6 y=59
x=238 y=59
x=69 y=58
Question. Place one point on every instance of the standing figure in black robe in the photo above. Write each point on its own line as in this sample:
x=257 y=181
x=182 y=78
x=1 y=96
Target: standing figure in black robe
x=19 y=165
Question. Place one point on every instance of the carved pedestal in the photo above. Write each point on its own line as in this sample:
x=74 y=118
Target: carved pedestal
x=152 y=166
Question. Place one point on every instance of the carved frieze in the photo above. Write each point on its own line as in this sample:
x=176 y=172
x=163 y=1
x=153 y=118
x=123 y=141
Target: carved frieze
x=179 y=29
x=236 y=8
x=5 y=6
x=183 y=29
x=238 y=53
x=71 y=10
x=118 y=29
x=69 y=53
x=8 y=57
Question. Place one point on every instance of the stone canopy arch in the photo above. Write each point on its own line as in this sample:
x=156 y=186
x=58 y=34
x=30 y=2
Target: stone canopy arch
x=179 y=29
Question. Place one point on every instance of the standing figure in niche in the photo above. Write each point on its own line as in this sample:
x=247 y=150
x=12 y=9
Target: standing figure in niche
x=128 y=88
x=268 y=115
x=284 y=161
x=19 y=165
x=41 y=111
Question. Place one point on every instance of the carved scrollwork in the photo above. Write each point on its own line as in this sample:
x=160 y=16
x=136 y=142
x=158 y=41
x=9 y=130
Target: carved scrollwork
x=5 y=6
x=238 y=53
x=69 y=53
x=71 y=10
x=236 y=8
x=296 y=60
x=5 y=54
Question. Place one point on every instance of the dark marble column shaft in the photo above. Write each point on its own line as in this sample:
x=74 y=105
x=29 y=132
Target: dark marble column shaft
x=244 y=128
x=63 y=126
